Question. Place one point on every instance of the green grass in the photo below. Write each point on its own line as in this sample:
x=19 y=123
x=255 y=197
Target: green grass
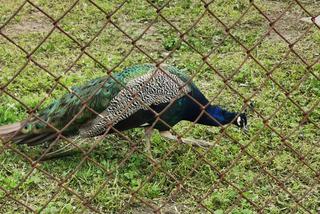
x=242 y=168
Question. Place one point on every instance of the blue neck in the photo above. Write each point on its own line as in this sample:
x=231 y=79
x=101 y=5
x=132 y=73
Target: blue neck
x=219 y=115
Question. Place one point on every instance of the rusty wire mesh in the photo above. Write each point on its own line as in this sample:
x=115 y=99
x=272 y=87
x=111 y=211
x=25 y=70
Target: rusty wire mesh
x=300 y=152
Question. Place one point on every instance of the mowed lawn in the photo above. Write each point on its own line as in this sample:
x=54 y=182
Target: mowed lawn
x=273 y=169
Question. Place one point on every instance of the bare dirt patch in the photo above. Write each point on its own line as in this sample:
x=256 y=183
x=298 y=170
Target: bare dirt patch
x=36 y=23
x=289 y=25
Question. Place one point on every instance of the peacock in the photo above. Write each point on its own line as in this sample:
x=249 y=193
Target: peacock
x=148 y=96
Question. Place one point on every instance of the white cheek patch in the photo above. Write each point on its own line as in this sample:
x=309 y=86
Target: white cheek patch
x=239 y=120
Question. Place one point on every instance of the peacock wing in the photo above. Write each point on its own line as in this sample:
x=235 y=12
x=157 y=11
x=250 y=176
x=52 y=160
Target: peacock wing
x=97 y=93
x=151 y=88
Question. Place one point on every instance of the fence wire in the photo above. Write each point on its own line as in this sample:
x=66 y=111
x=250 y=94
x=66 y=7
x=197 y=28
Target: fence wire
x=204 y=186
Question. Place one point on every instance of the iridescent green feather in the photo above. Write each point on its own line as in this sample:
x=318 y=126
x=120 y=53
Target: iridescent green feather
x=101 y=91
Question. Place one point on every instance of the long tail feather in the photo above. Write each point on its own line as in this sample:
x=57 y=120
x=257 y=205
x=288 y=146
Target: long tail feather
x=47 y=137
x=10 y=130
x=12 y=133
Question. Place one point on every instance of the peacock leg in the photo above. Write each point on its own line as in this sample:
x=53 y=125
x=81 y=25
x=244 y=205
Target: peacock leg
x=189 y=141
x=148 y=134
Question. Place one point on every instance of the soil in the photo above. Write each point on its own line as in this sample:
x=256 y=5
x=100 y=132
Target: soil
x=36 y=23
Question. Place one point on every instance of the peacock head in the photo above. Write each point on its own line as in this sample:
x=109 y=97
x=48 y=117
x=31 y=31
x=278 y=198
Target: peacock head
x=242 y=121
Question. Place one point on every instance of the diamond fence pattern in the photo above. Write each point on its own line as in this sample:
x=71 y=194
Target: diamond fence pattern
x=202 y=199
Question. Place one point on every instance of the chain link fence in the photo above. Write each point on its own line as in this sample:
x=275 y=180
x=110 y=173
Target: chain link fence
x=235 y=51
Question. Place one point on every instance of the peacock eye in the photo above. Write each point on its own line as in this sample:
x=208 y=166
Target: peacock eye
x=25 y=128
x=37 y=126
